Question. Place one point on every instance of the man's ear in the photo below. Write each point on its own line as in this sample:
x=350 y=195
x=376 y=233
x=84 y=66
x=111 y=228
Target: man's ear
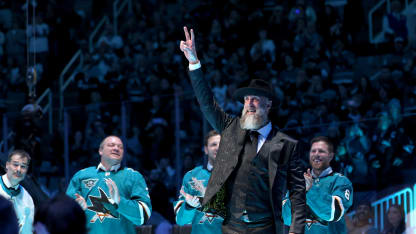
x=206 y=150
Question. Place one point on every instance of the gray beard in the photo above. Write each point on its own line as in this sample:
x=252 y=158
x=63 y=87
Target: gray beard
x=253 y=122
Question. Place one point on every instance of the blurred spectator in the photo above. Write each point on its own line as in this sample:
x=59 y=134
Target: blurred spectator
x=391 y=145
x=160 y=223
x=219 y=87
x=85 y=85
x=160 y=195
x=8 y=219
x=166 y=172
x=103 y=62
x=215 y=34
x=394 y=222
x=188 y=163
x=6 y=15
x=395 y=23
x=278 y=24
x=110 y=39
x=3 y=93
x=361 y=222
x=29 y=132
x=134 y=147
x=16 y=42
x=38 y=32
x=78 y=152
x=16 y=74
x=341 y=59
x=158 y=142
x=301 y=10
x=60 y=215
x=2 y=40
x=264 y=47
x=353 y=151
x=94 y=133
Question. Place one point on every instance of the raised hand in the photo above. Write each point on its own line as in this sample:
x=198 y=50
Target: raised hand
x=308 y=179
x=81 y=201
x=113 y=190
x=188 y=46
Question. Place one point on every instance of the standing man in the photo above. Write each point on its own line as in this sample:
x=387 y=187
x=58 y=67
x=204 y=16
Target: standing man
x=329 y=194
x=188 y=207
x=115 y=199
x=16 y=168
x=255 y=162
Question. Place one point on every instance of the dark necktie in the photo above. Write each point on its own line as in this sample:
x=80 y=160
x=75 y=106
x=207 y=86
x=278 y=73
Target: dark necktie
x=254 y=135
x=14 y=192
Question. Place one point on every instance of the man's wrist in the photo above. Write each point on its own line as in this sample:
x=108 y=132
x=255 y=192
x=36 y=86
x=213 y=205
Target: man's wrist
x=195 y=62
x=194 y=66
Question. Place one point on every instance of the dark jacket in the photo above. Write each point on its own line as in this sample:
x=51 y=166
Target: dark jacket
x=284 y=167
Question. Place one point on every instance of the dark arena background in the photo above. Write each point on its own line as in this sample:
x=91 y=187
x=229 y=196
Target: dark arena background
x=75 y=71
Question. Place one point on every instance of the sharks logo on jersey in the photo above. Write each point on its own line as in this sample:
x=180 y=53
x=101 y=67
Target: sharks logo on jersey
x=89 y=183
x=308 y=225
x=207 y=217
x=102 y=207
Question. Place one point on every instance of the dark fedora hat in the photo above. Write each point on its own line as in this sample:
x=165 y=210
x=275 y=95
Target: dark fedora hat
x=257 y=87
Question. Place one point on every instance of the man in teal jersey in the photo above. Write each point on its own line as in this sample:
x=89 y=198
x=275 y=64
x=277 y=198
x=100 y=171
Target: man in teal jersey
x=16 y=168
x=328 y=194
x=188 y=207
x=115 y=199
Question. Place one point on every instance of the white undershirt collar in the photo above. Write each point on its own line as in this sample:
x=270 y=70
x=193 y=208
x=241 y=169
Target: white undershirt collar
x=324 y=173
x=113 y=168
x=7 y=182
x=263 y=133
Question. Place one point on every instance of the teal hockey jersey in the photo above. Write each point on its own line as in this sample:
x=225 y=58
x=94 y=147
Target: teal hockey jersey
x=22 y=203
x=328 y=200
x=102 y=215
x=194 y=183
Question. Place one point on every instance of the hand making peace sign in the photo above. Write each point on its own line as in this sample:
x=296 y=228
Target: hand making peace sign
x=188 y=47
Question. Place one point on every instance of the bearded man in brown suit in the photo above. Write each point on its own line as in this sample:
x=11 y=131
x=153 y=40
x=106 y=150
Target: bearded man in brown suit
x=256 y=163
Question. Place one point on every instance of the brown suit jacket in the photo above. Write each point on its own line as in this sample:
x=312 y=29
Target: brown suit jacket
x=284 y=168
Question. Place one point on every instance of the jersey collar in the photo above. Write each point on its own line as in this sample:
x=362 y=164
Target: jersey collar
x=323 y=174
x=113 y=168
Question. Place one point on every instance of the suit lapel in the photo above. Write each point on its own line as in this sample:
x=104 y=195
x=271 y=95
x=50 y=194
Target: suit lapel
x=225 y=166
x=274 y=145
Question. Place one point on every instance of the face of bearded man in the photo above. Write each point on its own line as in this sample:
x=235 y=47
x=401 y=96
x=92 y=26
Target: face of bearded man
x=255 y=112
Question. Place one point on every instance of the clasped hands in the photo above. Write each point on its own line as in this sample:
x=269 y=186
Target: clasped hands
x=192 y=201
x=308 y=179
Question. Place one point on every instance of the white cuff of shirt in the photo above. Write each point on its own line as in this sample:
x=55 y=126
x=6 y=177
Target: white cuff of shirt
x=194 y=66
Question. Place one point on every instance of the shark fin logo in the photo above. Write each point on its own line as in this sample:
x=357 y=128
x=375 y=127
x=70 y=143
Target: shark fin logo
x=102 y=207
